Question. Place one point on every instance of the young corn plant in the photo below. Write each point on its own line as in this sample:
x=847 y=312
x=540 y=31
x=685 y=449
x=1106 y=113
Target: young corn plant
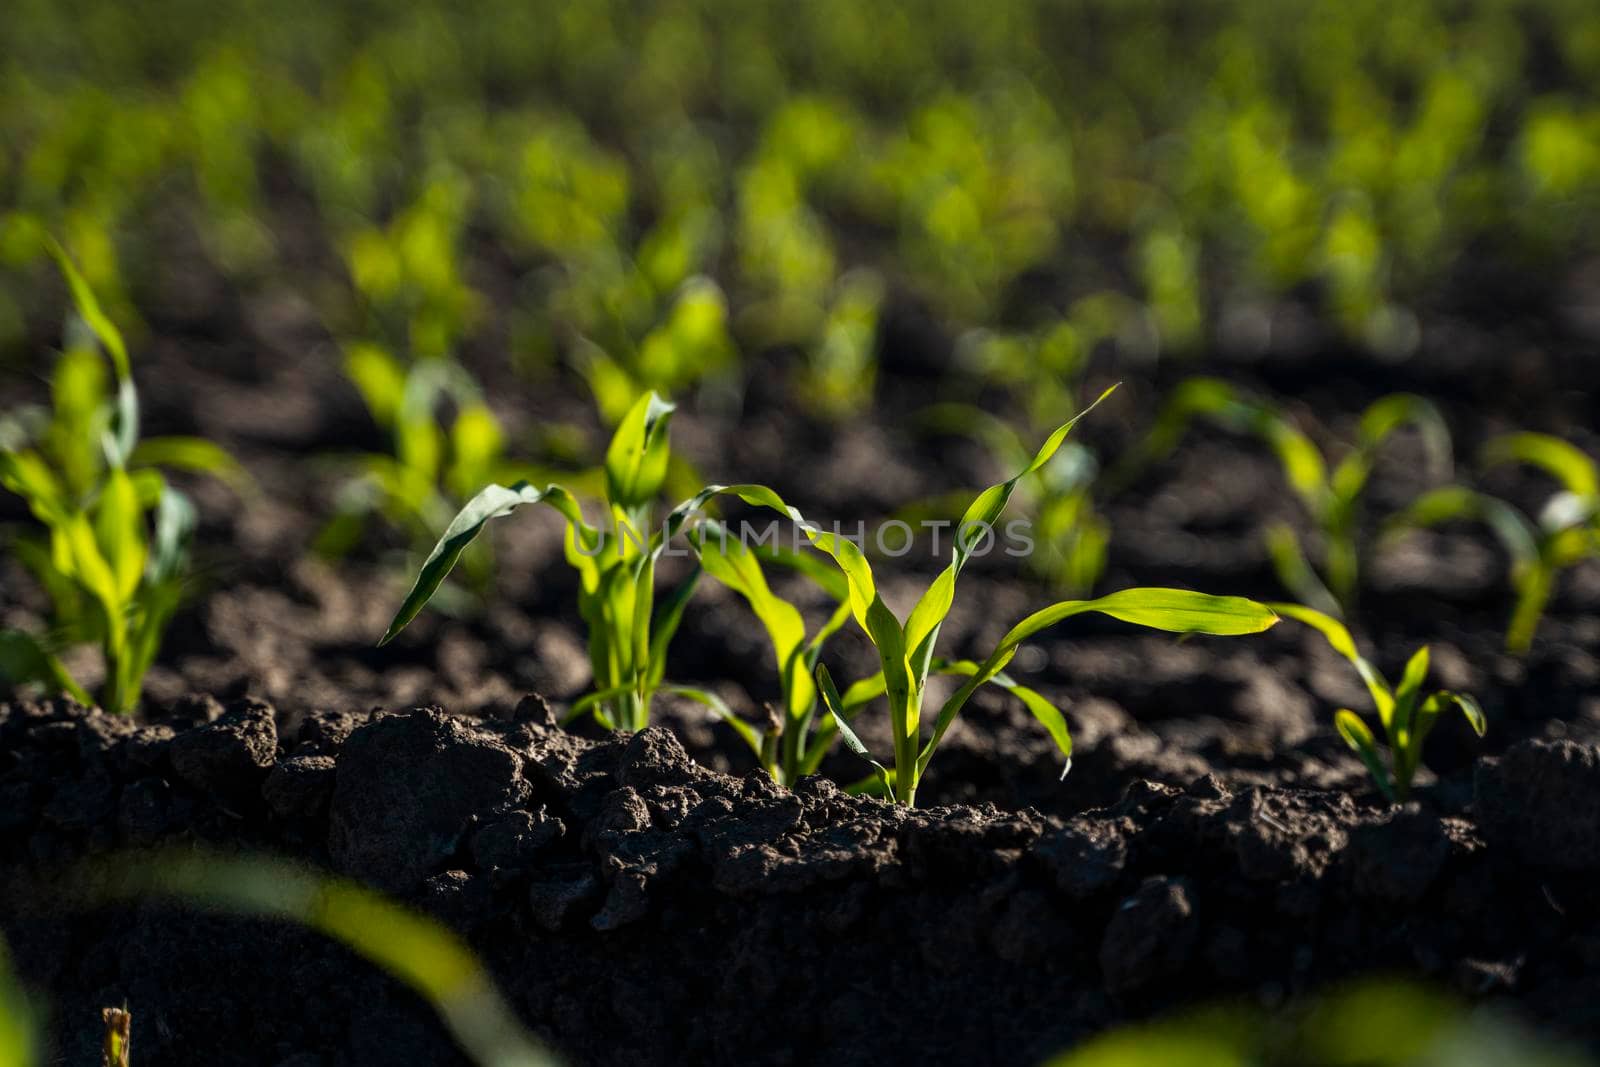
x=1406 y=715
x=1332 y=494
x=906 y=649
x=1566 y=531
x=628 y=631
x=114 y=547
x=435 y=464
x=795 y=740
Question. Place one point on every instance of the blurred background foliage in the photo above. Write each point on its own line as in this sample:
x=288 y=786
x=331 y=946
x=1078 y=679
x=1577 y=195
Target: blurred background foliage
x=644 y=192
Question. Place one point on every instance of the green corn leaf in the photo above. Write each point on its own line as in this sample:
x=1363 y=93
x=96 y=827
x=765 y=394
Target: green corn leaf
x=78 y=390
x=476 y=442
x=119 y=532
x=970 y=421
x=29 y=476
x=1172 y=610
x=1232 y=409
x=922 y=627
x=1193 y=398
x=831 y=700
x=868 y=608
x=860 y=694
x=668 y=616
x=175 y=523
x=1048 y=714
x=840 y=616
x=494 y=502
x=1409 y=691
x=379 y=378
x=91 y=570
x=636 y=461
x=1388 y=414
x=1563 y=518
x=123 y=437
x=23 y=660
x=19 y=1039
x=747 y=733
x=1452 y=503
x=591 y=701
x=1340 y=641
x=826 y=576
x=1534 y=584
x=732 y=563
x=1295 y=572
x=1302 y=464
x=419 y=446
x=194 y=454
x=1360 y=740
x=156 y=603
x=1409 y=756
x=1565 y=462
x=40 y=560
x=642 y=586
x=89 y=311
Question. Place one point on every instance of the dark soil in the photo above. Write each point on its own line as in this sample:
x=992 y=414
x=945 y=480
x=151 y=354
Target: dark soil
x=649 y=900
x=638 y=908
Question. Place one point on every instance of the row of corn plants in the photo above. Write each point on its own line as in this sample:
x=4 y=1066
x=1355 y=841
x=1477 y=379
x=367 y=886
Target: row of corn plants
x=113 y=556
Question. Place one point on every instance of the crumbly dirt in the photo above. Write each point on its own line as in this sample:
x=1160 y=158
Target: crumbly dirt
x=637 y=907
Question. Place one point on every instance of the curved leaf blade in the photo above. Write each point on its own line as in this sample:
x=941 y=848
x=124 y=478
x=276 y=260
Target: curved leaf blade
x=493 y=502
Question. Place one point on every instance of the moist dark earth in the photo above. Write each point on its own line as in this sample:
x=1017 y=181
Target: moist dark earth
x=650 y=899
x=638 y=908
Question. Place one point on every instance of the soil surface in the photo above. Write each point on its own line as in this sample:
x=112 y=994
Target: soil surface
x=638 y=908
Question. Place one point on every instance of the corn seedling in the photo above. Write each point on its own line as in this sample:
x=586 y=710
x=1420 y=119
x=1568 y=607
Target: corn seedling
x=1407 y=716
x=906 y=650
x=1330 y=493
x=690 y=348
x=628 y=630
x=410 y=274
x=1565 y=533
x=435 y=464
x=114 y=552
x=841 y=369
x=794 y=742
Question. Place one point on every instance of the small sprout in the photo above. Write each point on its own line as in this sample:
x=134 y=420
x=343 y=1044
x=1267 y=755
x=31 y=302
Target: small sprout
x=435 y=464
x=1331 y=494
x=119 y=1031
x=616 y=562
x=1407 y=716
x=1565 y=533
x=115 y=554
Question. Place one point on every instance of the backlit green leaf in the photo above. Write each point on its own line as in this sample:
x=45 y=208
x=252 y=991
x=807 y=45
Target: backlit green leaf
x=494 y=502
x=89 y=310
x=1563 y=461
x=636 y=461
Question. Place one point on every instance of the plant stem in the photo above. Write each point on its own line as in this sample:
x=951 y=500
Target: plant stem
x=119 y=1027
